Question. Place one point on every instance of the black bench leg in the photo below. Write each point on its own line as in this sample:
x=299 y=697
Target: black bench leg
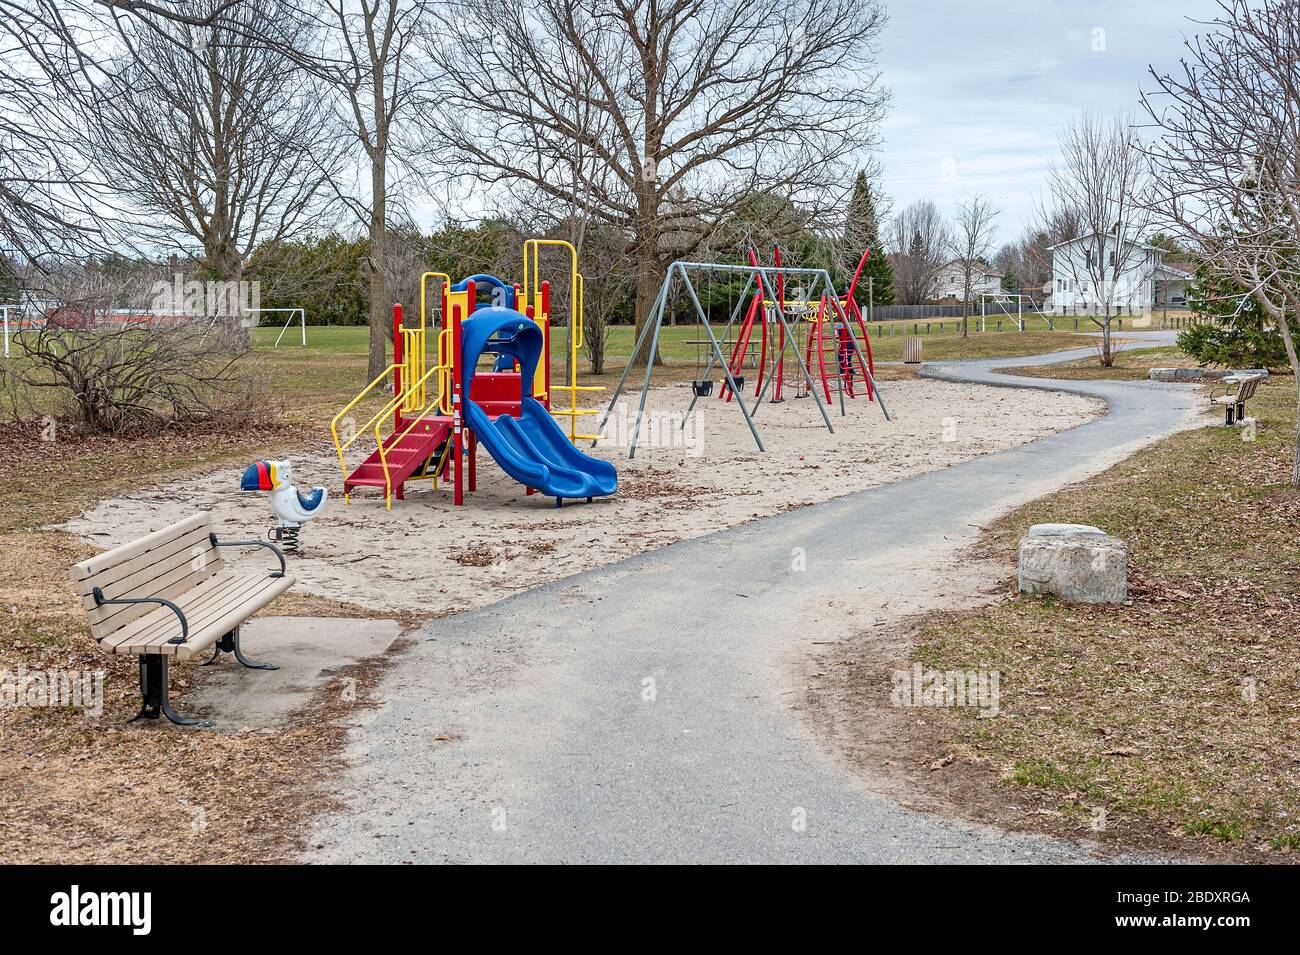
x=1228 y=415
x=153 y=690
x=1241 y=411
x=230 y=644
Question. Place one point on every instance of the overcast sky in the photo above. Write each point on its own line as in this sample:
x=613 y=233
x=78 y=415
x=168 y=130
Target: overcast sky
x=981 y=89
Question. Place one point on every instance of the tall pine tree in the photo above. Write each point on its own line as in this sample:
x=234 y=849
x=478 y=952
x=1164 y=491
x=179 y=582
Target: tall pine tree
x=862 y=231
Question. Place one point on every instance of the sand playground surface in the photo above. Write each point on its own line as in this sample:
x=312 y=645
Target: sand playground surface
x=429 y=557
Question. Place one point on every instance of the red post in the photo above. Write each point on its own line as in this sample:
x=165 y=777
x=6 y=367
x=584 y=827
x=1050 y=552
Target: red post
x=470 y=292
x=741 y=348
x=861 y=262
x=397 y=363
x=457 y=444
x=473 y=461
x=821 y=347
x=546 y=343
x=780 y=344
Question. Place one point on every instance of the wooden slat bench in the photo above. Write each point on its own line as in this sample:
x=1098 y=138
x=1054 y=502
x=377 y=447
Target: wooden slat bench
x=169 y=596
x=1237 y=403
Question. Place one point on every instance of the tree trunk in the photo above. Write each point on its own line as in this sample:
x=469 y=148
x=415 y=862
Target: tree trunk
x=1289 y=343
x=1107 y=358
x=648 y=282
x=380 y=315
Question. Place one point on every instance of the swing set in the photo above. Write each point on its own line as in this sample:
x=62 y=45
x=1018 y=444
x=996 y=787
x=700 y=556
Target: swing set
x=764 y=291
x=819 y=328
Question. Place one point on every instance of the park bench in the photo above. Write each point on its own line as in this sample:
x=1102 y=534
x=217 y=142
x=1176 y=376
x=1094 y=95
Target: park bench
x=1235 y=404
x=169 y=596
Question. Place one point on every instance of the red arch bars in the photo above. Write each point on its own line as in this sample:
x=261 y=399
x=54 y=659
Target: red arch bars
x=851 y=308
x=780 y=329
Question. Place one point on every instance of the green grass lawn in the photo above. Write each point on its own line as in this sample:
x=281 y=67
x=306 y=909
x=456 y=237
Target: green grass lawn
x=331 y=369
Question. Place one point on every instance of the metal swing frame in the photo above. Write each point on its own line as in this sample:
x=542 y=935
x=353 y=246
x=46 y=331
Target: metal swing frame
x=762 y=275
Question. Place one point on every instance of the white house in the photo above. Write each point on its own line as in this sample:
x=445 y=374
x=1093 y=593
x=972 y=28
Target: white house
x=950 y=280
x=1084 y=268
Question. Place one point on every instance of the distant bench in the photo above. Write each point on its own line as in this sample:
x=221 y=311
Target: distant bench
x=168 y=596
x=1236 y=403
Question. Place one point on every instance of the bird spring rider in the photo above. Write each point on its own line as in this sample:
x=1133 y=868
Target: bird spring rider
x=290 y=506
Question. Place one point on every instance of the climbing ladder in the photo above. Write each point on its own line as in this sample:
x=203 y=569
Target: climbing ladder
x=421 y=428
x=400 y=458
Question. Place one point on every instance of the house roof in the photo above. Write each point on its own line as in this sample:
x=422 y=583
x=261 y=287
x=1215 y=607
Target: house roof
x=1093 y=235
x=1165 y=271
x=981 y=269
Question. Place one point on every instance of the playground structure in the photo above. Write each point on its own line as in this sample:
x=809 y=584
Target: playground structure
x=442 y=411
x=768 y=309
x=810 y=316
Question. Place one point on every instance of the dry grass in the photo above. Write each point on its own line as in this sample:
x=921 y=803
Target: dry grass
x=79 y=789
x=1176 y=713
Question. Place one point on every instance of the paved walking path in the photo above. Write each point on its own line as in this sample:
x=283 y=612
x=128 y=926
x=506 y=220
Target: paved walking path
x=521 y=732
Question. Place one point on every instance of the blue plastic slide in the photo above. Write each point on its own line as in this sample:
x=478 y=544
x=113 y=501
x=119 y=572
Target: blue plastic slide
x=532 y=448
x=534 y=451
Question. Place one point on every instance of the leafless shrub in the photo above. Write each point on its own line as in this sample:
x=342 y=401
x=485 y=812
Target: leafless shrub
x=104 y=361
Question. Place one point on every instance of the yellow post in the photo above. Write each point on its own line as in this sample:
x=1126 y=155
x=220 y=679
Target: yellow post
x=532 y=292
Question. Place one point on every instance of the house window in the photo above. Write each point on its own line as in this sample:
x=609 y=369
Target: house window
x=1087 y=258
x=1112 y=258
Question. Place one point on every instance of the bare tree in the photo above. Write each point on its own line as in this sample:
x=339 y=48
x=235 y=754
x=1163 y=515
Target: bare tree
x=1228 y=155
x=50 y=199
x=212 y=138
x=920 y=239
x=1036 y=245
x=366 y=58
x=972 y=244
x=112 y=364
x=1101 y=183
x=686 y=108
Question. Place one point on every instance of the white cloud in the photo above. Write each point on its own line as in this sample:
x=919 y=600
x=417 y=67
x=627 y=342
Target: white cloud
x=982 y=89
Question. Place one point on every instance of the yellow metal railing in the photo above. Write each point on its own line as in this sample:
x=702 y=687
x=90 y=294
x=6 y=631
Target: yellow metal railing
x=532 y=261
x=444 y=363
x=341 y=446
x=414 y=396
x=394 y=438
x=573 y=412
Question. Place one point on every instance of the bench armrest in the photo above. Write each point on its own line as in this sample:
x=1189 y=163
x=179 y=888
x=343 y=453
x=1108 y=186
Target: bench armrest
x=101 y=600
x=253 y=543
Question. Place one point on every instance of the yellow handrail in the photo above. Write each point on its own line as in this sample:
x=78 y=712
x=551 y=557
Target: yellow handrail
x=577 y=323
x=423 y=279
x=378 y=422
x=334 y=424
x=444 y=362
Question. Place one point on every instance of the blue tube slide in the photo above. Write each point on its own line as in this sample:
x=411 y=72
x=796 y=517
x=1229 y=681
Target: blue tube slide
x=532 y=448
